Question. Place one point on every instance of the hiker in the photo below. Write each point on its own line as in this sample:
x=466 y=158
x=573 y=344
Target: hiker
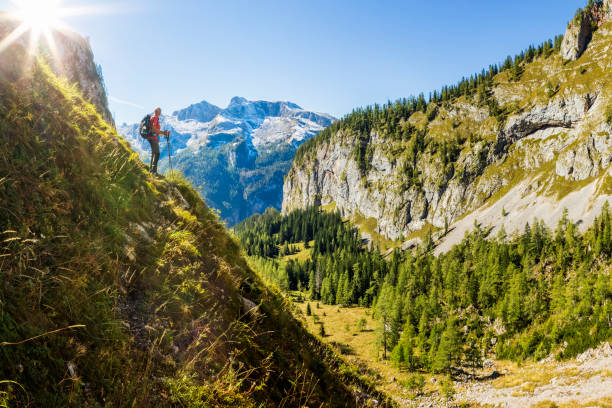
x=155 y=129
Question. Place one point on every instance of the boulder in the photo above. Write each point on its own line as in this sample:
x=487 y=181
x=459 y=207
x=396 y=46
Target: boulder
x=248 y=306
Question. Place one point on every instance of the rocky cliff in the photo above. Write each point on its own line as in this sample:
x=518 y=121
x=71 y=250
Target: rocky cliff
x=580 y=30
x=69 y=56
x=532 y=142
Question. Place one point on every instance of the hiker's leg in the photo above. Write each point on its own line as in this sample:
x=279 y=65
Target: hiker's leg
x=151 y=160
x=154 y=155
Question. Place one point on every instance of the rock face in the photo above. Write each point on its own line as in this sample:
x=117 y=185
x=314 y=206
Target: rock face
x=201 y=112
x=71 y=58
x=580 y=30
x=577 y=36
x=550 y=146
x=237 y=156
x=76 y=64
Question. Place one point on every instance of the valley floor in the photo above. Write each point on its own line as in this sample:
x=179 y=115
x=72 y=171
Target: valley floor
x=585 y=381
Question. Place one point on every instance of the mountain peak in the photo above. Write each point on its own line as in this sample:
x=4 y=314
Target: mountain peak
x=202 y=112
x=237 y=100
x=240 y=101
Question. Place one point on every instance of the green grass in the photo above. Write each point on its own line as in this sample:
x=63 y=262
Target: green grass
x=423 y=233
x=370 y=227
x=361 y=345
x=331 y=207
x=303 y=253
x=121 y=289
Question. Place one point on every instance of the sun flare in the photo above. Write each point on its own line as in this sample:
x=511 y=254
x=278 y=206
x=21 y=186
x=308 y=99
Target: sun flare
x=40 y=16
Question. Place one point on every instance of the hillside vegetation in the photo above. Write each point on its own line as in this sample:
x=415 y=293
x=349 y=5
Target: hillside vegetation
x=523 y=296
x=122 y=289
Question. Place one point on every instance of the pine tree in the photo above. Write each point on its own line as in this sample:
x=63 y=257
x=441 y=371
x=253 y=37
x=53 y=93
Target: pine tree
x=448 y=350
x=398 y=356
x=447 y=388
x=473 y=355
x=312 y=291
x=412 y=360
x=361 y=324
x=384 y=309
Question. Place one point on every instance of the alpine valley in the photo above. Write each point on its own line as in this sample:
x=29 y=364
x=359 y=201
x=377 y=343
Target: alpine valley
x=486 y=208
x=236 y=157
x=445 y=251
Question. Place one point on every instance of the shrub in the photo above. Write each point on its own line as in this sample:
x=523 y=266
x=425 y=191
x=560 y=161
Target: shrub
x=447 y=389
x=361 y=324
x=415 y=383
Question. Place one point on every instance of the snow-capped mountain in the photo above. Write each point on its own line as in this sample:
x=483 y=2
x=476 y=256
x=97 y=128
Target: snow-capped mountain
x=237 y=156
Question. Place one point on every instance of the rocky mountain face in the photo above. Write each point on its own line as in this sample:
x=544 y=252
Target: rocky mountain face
x=533 y=143
x=238 y=156
x=71 y=58
x=580 y=29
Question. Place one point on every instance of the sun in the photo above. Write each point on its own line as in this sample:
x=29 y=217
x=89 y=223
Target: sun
x=40 y=16
x=42 y=19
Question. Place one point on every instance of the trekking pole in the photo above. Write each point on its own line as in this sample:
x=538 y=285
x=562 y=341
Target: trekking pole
x=169 y=152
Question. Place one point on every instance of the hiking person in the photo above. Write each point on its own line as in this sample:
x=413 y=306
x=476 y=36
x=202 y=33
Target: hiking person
x=155 y=129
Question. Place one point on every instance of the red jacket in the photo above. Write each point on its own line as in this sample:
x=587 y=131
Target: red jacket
x=155 y=127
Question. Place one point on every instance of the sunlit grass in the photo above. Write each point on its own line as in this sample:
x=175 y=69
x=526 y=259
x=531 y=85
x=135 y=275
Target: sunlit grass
x=341 y=330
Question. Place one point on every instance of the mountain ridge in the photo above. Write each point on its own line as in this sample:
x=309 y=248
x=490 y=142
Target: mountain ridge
x=422 y=169
x=71 y=58
x=237 y=156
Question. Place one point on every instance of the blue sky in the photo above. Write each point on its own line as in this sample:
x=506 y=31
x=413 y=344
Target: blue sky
x=329 y=56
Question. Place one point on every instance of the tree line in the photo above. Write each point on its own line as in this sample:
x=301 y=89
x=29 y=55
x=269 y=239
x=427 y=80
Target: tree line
x=390 y=118
x=523 y=295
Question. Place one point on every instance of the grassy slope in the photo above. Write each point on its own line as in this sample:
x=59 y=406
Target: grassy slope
x=141 y=265
x=362 y=346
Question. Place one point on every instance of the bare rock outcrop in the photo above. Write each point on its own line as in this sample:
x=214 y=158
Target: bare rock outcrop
x=580 y=30
x=577 y=37
x=70 y=57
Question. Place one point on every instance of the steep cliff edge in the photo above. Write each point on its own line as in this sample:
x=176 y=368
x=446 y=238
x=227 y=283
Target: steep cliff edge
x=122 y=289
x=508 y=146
